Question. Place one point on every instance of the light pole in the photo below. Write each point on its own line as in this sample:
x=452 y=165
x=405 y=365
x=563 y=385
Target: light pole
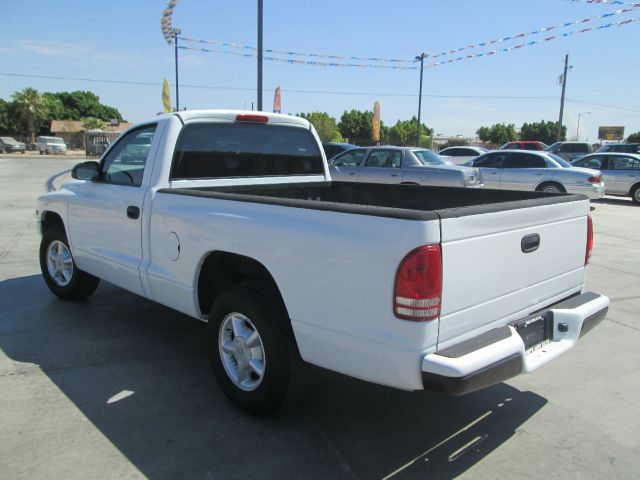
x=260 y=55
x=420 y=57
x=175 y=32
x=578 y=129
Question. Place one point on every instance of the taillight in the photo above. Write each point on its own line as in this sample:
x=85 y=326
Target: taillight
x=587 y=255
x=595 y=179
x=252 y=117
x=418 y=287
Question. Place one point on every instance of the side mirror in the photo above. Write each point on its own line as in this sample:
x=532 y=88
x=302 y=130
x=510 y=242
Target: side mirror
x=86 y=171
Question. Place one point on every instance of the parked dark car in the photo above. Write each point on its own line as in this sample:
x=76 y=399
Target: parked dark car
x=570 y=150
x=331 y=149
x=620 y=148
x=524 y=145
x=10 y=145
x=620 y=172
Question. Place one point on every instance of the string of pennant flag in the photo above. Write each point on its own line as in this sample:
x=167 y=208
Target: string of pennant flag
x=431 y=65
x=340 y=61
x=538 y=31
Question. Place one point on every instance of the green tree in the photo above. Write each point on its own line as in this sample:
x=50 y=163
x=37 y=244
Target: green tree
x=91 y=123
x=634 y=138
x=543 y=131
x=30 y=108
x=82 y=104
x=356 y=126
x=499 y=133
x=324 y=124
x=404 y=132
x=6 y=119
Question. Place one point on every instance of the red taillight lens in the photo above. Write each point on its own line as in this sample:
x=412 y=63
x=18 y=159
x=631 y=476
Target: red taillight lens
x=250 y=117
x=418 y=288
x=596 y=179
x=587 y=255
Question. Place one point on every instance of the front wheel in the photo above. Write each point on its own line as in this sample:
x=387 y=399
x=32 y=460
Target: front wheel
x=253 y=353
x=59 y=270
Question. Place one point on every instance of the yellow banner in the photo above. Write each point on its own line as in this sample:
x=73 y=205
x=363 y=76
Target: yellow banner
x=166 y=97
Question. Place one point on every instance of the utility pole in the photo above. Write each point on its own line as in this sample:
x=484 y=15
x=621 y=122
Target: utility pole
x=420 y=57
x=176 y=32
x=260 y=55
x=564 y=87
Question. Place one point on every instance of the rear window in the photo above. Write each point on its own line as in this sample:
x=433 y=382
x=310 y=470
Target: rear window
x=224 y=150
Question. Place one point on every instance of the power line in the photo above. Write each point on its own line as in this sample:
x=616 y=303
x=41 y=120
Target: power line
x=327 y=92
x=316 y=92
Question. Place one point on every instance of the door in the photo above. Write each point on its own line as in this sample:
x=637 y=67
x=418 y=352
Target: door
x=622 y=173
x=522 y=171
x=490 y=165
x=345 y=166
x=382 y=166
x=105 y=216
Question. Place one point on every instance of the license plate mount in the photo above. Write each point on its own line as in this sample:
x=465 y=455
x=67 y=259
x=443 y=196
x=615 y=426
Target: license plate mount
x=535 y=330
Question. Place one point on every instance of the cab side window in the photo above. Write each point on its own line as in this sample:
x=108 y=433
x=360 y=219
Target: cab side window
x=351 y=158
x=385 y=159
x=522 y=160
x=124 y=164
x=625 y=163
x=491 y=161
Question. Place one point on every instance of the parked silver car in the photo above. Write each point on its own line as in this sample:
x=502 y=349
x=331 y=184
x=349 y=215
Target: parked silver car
x=536 y=171
x=620 y=172
x=460 y=155
x=408 y=165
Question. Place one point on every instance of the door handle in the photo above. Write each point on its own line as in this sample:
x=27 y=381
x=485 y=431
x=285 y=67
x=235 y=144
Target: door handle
x=530 y=243
x=133 y=212
x=352 y=173
x=394 y=175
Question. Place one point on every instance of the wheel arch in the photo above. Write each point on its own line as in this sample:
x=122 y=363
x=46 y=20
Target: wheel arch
x=633 y=187
x=49 y=218
x=220 y=270
x=541 y=185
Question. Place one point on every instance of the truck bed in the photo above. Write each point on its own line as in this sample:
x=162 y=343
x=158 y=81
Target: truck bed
x=406 y=202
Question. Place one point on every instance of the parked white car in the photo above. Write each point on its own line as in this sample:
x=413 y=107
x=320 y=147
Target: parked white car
x=51 y=145
x=536 y=171
x=461 y=155
x=405 y=165
x=620 y=172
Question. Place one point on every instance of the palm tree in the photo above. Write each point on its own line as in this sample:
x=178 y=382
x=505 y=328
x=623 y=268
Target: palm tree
x=30 y=106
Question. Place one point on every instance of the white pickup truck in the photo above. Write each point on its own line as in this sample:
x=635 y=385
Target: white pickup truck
x=231 y=217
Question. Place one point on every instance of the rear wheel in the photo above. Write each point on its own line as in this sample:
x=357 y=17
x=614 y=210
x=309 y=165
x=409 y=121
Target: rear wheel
x=59 y=270
x=253 y=353
x=551 y=188
x=635 y=194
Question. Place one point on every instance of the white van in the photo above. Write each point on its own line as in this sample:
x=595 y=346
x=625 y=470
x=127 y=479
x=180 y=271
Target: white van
x=51 y=145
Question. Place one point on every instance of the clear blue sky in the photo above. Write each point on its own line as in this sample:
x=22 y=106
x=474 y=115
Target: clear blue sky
x=122 y=41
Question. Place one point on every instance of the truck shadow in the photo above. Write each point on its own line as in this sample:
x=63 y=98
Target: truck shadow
x=139 y=373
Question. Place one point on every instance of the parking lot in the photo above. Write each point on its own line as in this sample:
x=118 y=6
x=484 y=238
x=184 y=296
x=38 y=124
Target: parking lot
x=120 y=387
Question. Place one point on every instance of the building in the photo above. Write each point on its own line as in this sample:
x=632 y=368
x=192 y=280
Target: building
x=73 y=131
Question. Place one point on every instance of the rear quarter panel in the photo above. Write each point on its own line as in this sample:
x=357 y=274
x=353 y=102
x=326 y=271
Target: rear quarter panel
x=335 y=272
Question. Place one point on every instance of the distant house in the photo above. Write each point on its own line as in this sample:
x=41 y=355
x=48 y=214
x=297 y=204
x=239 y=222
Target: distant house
x=73 y=131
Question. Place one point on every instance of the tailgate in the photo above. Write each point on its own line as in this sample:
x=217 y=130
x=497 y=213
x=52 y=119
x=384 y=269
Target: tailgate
x=493 y=273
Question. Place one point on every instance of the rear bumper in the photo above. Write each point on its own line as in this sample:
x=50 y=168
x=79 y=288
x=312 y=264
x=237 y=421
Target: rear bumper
x=591 y=190
x=500 y=354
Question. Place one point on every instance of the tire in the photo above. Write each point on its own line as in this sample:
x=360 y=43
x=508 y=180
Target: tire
x=266 y=374
x=551 y=188
x=41 y=152
x=635 y=194
x=59 y=270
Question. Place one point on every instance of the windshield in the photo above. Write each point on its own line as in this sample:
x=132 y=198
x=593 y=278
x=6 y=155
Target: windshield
x=561 y=161
x=427 y=157
x=55 y=140
x=553 y=146
x=8 y=140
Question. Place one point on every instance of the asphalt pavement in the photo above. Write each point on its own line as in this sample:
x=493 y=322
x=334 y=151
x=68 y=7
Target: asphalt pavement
x=119 y=387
